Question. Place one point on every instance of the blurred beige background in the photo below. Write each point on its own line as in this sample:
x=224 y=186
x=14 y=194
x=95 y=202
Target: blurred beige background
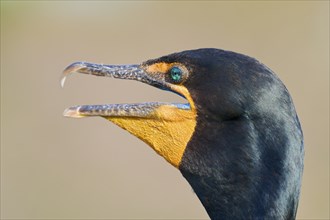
x=54 y=167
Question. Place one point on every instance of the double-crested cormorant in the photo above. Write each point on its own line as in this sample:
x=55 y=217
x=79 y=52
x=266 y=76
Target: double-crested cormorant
x=237 y=141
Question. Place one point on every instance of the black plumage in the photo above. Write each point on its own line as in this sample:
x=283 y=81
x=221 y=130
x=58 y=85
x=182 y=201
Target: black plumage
x=245 y=158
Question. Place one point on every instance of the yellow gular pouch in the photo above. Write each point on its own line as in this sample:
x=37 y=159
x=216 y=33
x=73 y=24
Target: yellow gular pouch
x=167 y=130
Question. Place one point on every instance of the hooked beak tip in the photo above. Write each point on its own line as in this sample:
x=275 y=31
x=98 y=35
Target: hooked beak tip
x=72 y=68
x=62 y=81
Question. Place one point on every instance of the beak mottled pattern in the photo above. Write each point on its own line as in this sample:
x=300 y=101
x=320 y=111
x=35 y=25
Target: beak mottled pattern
x=139 y=110
x=131 y=72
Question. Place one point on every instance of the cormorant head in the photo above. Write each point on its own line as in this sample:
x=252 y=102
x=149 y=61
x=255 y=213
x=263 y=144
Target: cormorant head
x=218 y=85
x=237 y=141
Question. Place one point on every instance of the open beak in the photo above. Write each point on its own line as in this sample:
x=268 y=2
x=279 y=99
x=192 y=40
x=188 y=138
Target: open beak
x=166 y=127
x=130 y=72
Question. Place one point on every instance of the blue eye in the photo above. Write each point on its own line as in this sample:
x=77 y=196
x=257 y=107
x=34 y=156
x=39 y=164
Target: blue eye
x=176 y=74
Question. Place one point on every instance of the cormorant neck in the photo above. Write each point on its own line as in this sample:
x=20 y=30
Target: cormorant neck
x=245 y=170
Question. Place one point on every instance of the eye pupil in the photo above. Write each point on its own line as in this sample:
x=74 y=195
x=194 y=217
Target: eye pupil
x=176 y=74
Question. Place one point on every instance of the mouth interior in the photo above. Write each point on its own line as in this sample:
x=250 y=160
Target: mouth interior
x=183 y=106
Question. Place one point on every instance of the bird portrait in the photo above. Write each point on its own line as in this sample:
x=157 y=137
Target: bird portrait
x=237 y=139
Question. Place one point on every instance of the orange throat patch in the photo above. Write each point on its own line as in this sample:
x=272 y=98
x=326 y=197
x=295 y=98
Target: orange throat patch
x=167 y=131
